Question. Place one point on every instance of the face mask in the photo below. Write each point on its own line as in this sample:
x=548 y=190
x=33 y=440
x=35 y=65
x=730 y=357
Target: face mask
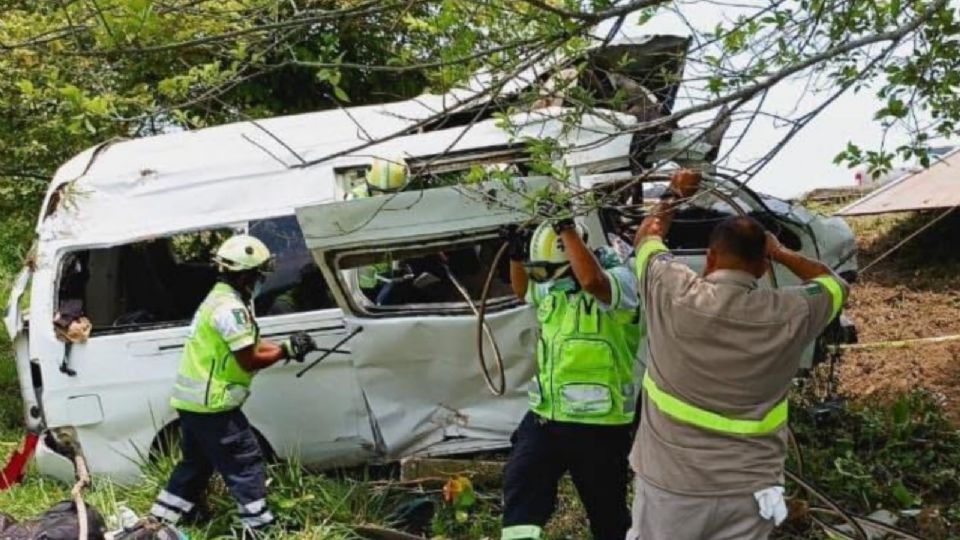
x=257 y=289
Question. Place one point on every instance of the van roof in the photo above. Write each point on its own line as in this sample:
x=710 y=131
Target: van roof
x=185 y=180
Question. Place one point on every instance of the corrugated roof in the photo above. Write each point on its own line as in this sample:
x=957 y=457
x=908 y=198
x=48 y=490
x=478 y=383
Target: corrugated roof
x=932 y=188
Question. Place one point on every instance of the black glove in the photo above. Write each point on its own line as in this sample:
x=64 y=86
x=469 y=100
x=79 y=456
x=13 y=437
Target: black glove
x=519 y=242
x=298 y=346
x=560 y=214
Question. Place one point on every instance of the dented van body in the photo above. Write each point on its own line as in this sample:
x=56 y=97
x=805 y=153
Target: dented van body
x=126 y=230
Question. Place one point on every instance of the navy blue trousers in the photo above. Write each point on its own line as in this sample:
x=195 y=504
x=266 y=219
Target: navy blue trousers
x=225 y=443
x=596 y=458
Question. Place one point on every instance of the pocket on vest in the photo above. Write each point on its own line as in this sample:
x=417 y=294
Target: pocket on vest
x=585 y=399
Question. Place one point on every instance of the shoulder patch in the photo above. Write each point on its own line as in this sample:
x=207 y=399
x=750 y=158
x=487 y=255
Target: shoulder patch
x=241 y=316
x=813 y=289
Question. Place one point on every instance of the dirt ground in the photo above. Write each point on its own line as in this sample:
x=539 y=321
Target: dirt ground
x=913 y=293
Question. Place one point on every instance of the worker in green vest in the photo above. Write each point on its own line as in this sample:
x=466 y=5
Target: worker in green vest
x=583 y=395
x=222 y=354
x=385 y=176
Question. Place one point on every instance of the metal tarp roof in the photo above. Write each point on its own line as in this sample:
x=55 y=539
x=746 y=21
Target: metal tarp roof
x=935 y=187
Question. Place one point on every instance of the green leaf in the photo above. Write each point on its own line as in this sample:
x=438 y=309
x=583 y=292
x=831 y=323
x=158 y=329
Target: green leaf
x=904 y=496
x=341 y=94
x=25 y=86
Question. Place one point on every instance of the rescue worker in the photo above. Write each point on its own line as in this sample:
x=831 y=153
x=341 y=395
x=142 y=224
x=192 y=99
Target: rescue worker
x=722 y=353
x=384 y=176
x=222 y=354
x=582 y=398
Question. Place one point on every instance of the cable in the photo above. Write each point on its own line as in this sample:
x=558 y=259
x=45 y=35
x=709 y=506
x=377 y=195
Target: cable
x=483 y=329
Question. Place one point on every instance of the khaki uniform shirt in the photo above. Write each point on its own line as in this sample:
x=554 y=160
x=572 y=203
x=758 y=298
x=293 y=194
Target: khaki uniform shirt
x=722 y=344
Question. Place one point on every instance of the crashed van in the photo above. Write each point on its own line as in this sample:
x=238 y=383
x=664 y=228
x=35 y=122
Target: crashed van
x=99 y=315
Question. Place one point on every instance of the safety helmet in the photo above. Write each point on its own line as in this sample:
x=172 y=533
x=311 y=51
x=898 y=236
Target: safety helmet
x=387 y=175
x=243 y=253
x=548 y=258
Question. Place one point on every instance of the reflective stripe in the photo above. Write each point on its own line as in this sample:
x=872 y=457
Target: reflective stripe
x=192 y=384
x=534 y=395
x=586 y=398
x=254 y=508
x=834 y=289
x=629 y=392
x=170 y=499
x=648 y=248
x=236 y=395
x=190 y=396
x=702 y=418
x=521 y=532
x=253 y=522
x=164 y=514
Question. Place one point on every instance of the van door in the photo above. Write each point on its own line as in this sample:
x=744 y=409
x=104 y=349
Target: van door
x=401 y=266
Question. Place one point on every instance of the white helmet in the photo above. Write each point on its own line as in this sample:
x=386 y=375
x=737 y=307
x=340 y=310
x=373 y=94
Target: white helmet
x=242 y=253
x=546 y=246
x=548 y=258
x=387 y=175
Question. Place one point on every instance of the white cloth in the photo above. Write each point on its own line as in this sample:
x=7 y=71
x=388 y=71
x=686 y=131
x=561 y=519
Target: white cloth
x=772 y=504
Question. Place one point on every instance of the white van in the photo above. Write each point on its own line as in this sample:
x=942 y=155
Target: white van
x=126 y=229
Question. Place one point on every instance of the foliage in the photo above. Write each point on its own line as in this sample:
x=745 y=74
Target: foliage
x=900 y=456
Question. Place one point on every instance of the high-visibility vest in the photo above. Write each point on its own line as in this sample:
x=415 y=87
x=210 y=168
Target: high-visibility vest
x=209 y=378
x=585 y=361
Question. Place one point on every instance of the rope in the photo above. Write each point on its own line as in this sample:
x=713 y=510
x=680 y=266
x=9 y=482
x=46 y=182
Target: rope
x=897 y=344
x=912 y=235
x=83 y=481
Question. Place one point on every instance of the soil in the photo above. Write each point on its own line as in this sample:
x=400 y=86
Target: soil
x=912 y=293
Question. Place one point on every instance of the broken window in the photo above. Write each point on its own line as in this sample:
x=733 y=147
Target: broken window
x=160 y=282
x=692 y=224
x=428 y=278
x=156 y=282
x=296 y=284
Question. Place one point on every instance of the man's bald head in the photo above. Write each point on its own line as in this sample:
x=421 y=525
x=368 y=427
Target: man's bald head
x=739 y=243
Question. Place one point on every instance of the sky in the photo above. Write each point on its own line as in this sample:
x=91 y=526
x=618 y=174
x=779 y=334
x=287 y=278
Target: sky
x=807 y=161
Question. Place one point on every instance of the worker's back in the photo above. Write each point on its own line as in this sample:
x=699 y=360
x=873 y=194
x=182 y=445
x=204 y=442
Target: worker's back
x=724 y=345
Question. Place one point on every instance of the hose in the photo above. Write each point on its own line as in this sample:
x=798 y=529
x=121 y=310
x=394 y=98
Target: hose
x=483 y=329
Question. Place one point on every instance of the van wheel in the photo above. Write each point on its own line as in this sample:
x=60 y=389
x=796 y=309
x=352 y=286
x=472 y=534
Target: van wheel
x=166 y=445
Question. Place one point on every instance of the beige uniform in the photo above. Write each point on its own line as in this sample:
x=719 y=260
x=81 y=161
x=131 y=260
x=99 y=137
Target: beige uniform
x=724 y=345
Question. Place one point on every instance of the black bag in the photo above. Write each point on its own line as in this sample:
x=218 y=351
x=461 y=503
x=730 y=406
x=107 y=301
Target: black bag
x=58 y=523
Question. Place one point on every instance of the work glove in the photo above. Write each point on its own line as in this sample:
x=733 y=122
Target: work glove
x=559 y=214
x=519 y=242
x=298 y=346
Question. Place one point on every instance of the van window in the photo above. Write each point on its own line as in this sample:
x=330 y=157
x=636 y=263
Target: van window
x=160 y=282
x=296 y=284
x=418 y=278
x=146 y=284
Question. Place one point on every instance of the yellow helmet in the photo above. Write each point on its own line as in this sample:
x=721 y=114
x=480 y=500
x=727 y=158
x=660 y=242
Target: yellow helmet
x=387 y=175
x=242 y=253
